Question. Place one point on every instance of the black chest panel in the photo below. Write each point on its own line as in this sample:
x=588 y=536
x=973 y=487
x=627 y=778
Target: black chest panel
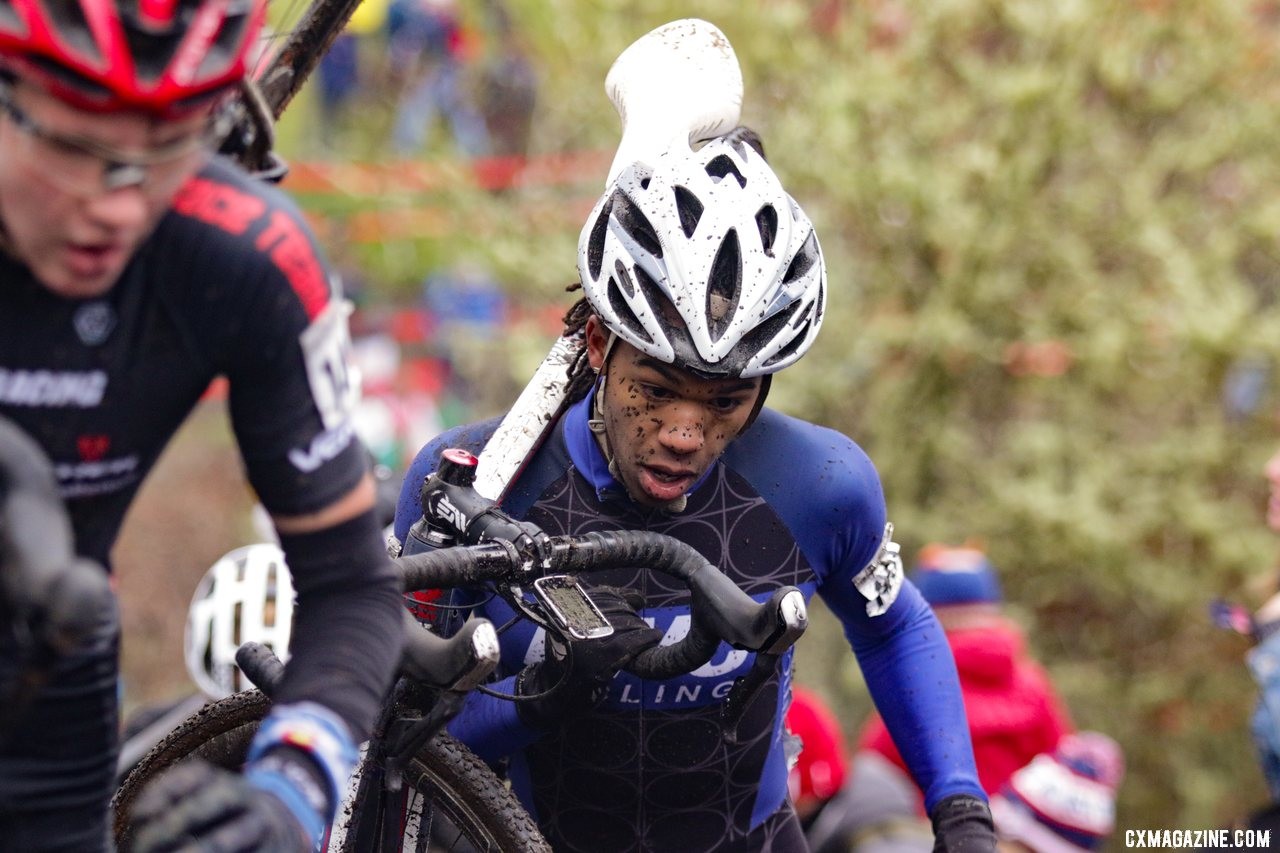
x=651 y=774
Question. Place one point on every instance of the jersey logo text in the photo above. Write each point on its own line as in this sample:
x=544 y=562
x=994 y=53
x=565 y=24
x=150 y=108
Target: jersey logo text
x=219 y=205
x=52 y=388
x=325 y=446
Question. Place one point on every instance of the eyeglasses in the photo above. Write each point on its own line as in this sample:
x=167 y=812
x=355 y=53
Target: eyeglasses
x=86 y=167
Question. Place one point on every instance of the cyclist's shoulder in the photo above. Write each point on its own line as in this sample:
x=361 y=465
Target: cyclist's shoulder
x=471 y=437
x=789 y=453
x=224 y=200
x=234 y=238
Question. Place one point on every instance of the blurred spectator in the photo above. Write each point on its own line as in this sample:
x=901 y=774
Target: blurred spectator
x=508 y=90
x=339 y=75
x=1014 y=712
x=820 y=766
x=338 y=78
x=1264 y=665
x=1063 y=801
x=1263 y=661
x=869 y=809
x=428 y=53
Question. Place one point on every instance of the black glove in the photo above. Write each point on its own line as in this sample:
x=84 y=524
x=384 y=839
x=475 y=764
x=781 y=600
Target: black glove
x=962 y=824
x=198 y=808
x=575 y=678
x=47 y=593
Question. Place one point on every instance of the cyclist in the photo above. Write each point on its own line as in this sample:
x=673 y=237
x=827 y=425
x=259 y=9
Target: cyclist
x=702 y=279
x=135 y=267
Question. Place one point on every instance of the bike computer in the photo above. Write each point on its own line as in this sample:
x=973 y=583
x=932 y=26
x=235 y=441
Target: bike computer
x=568 y=603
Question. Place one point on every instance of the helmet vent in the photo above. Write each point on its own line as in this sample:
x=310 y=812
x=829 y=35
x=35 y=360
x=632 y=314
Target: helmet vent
x=226 y=49
x=722 y=166
x=788 y=351
x=11 y=21
x=73 y=27
x=153 y=40
x=690 y=210
x=595 y=245
x=620 y=271
x=725 y=285
x=803 y=261
x=636 y=225
x=622 y=310
x=767 y=222
x=759 y=337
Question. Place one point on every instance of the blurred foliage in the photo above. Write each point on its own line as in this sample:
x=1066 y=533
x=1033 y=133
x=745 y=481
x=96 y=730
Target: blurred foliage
x=1050 y=230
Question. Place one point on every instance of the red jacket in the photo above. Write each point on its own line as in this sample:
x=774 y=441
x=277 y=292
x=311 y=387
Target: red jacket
x=1014 y=712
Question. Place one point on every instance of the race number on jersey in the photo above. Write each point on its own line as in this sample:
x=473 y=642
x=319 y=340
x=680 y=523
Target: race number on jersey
x=326 y=347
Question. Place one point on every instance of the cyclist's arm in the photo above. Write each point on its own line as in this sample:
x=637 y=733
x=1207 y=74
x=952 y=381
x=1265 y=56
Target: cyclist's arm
x=276 y=327
x=827 y=491
x=912 y=679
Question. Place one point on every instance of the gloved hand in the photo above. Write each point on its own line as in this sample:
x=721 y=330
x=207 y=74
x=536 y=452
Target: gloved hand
x=297 y=768
x=962 y=824
x=574 y=678
x=47 y=593
x=198 y=808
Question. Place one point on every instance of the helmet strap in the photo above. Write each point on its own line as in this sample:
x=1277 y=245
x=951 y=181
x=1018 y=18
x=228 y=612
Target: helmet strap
x=765 y=382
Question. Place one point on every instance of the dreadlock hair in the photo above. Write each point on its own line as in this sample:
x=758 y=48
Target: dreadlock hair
x=581 y=376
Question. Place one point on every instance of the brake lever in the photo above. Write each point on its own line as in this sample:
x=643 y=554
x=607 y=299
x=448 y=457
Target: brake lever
x=792 y=619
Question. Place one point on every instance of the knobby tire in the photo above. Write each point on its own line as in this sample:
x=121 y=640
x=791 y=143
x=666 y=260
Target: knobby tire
x=479 y=811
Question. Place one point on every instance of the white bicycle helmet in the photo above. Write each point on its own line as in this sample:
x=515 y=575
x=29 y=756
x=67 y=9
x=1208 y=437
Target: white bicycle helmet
x=246 y=596
x=704 y=261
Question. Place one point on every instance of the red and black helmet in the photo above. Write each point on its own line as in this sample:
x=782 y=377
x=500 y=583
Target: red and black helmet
x=160 y=56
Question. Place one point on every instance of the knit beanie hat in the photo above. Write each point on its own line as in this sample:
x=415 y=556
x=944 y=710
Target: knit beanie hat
x=950 y=575
x=1063 y=801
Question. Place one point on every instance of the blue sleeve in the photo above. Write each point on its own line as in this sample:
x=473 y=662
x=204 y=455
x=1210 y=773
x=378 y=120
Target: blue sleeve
x=825 y=488
x=912 y=678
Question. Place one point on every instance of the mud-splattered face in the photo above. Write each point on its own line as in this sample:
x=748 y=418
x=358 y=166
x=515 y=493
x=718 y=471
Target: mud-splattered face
x=666 y=426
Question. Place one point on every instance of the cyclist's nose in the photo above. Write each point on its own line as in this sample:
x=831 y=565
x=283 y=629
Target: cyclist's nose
x=682 y=429
x=120 y=209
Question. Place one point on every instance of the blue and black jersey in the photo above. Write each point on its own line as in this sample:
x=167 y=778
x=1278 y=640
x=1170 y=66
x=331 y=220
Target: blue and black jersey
x=789 y=503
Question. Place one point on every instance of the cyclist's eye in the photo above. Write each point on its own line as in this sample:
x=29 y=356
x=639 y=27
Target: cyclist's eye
x=656 y=392
x=68 y=152
x=726 y=405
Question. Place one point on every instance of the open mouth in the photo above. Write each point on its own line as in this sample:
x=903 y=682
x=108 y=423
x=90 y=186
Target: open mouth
x=92 y=258
x=666 y=484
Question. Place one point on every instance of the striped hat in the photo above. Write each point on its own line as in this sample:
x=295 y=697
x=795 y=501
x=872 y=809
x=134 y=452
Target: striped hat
x=1064 y=801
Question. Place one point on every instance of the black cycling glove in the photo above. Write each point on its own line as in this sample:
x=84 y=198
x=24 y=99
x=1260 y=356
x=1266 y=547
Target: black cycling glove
x=47 y=593
x=198 y=808
x=574 y=679
x=962 y=824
